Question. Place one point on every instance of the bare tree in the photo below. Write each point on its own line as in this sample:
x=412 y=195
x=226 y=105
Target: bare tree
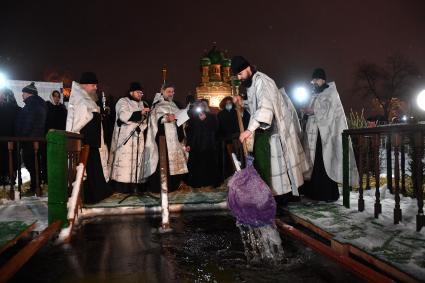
x=384 y=84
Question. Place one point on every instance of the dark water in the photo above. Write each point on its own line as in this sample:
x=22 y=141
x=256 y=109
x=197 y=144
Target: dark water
x=202 y=248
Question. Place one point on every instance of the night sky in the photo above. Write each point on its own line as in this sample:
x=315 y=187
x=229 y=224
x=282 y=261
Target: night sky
x=123 y=41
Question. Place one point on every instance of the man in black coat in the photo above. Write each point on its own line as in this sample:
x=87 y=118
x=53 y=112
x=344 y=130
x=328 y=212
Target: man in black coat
x=31 y=123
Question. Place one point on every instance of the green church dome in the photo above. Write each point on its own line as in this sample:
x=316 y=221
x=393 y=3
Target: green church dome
x=215 y=56
x=205 y=61
x=226 y=62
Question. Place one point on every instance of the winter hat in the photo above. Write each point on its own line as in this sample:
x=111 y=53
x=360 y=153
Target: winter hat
x=319 y=73
x=30 y=89
x=134 y=86
x=88 y=78
x=239 y=64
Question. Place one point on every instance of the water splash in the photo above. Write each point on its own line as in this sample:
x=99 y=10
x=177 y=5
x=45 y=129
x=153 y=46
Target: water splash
x=263 y=245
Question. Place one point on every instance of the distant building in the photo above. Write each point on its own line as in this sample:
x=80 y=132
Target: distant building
x=216 y=81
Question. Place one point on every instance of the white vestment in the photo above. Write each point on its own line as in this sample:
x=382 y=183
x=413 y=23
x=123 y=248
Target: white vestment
x=80 y=112
x=329 y=119
x=127 y=146
x=271 y=109
x=293 y=112
x=176 y=155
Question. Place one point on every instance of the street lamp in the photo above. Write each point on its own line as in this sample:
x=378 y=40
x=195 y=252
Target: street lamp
x=301 y=95
x=420 y=100
x=3 y=80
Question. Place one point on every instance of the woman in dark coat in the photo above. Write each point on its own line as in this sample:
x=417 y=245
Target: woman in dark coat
x=56 y=112
x=201 y=141
x=55 y=120
x=228 y=135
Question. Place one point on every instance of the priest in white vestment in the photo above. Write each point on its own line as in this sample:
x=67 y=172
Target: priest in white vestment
x=84 y=118
x=126 y=155
x=323 y=141
x=279 y=155
x=163 y=122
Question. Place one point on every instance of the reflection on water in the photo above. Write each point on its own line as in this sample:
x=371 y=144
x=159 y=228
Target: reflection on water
x=203 y=247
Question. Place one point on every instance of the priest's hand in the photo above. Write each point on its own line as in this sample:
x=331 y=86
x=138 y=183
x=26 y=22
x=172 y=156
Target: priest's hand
x=237 y=100
x=146 y=110
x=171 y=118
x=244 y=136
x=308 y=111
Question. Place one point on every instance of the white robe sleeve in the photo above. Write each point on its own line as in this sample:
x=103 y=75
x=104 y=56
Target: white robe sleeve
x=123 y=110
x=263 y=115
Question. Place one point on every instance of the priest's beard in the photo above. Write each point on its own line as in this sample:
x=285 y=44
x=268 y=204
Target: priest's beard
x=248 y=82
x=93 y=96
x=319 y=89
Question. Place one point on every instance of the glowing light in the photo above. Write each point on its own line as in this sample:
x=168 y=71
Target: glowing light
x=301 y=94
x=420 y=100
x=404 y=118
x=3 y=80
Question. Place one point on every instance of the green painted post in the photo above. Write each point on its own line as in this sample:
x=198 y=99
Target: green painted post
x=345 y=171
x=57 y=176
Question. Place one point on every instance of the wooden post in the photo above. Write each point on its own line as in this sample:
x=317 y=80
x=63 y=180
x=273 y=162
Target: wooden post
x=57 y=169
x=345 y=171
x=36 y=147
x=164 y=183
x=419 y=148
x=403 y=166
x=11 y=175
x=397 y=210
x=361 y=154
x=239 y=111
x=367 y=163
x=19 y=161
x=389 y=164
x=378 y=206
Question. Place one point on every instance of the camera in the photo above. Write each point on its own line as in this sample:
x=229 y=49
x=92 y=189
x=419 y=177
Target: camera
x=199 y=109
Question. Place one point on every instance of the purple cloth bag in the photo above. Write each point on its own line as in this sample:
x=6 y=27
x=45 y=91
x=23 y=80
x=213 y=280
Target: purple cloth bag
x=249 y=199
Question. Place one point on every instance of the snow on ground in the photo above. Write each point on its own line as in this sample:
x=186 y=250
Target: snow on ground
x=27 y=209
x=397 y=244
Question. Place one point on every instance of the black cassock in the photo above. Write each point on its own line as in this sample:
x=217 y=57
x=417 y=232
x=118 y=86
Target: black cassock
x=203 y=158
x=320 y=186
x=95 y=186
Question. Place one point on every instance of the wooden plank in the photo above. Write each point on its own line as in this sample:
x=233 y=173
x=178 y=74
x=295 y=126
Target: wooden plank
x=310 y=226
x=351 y=265
x=388 y=269
x=18 y=237
x=346 y=249
x=339 y=248
x=16 y=262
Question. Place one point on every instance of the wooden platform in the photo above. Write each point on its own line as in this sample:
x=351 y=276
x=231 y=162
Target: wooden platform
x=12 y=231
x=392 y=251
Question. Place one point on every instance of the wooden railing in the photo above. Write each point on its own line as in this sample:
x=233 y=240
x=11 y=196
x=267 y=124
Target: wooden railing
x=396 y=138
x=15 y=160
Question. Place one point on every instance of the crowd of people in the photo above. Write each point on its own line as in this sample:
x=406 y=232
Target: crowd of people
x=33 y=120
x=196 y=142
x=196 y=148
